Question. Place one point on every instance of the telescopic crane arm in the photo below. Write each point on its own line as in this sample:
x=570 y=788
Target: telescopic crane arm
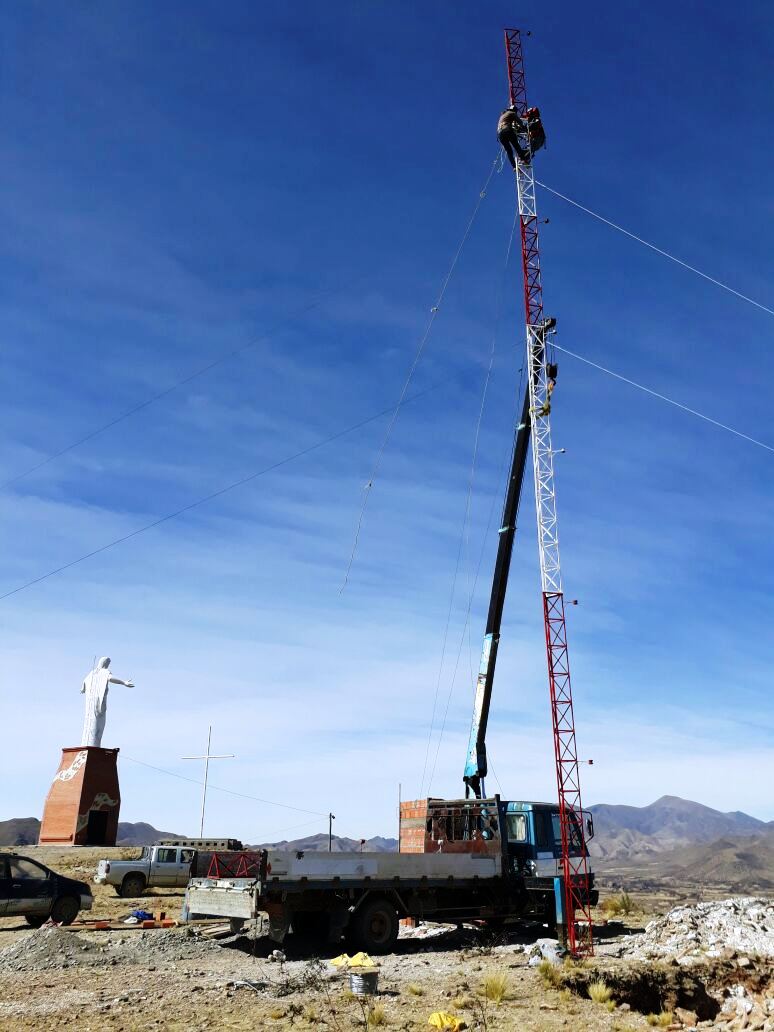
x=476 y=765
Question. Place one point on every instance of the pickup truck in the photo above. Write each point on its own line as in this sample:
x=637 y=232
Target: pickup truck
x=157 y=867
x=485 y=860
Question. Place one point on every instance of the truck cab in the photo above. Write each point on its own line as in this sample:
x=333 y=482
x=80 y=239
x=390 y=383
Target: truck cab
x=532 y=838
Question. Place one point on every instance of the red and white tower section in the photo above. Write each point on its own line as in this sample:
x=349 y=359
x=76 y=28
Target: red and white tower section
x=575 y=867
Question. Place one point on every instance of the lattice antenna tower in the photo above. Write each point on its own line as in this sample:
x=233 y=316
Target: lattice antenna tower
x=575 y=868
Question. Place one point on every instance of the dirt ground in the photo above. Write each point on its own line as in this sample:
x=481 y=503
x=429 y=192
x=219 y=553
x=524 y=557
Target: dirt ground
x=130 y=979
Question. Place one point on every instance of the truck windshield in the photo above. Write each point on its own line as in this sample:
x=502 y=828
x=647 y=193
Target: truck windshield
x=575 y=843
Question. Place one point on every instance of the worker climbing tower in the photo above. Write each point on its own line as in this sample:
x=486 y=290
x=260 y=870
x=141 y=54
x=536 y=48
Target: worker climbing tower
x=541 y=376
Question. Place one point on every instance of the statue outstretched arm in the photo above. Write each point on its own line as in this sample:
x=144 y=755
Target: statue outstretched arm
x=117 y=680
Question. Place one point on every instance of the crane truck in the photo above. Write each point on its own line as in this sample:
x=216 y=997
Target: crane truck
x=479 y=858
x=475 y=859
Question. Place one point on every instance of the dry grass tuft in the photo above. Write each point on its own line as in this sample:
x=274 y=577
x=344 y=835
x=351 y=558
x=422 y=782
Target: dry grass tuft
x=599 y=992
x=414 y=989
x=376 y=1015
x=550 y=974
x=565 y=996
x=462 y=1002
x=277 y=1014
x=311 y=1014
x=662 y=1020
x=620 y=904
x=495 y=988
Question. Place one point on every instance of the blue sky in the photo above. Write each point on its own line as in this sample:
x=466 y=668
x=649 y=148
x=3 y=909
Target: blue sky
x=179 y=179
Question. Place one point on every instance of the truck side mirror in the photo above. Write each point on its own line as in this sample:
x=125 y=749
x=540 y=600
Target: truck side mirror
x=589 y=826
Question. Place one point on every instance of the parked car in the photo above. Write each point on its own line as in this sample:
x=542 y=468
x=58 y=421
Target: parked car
x=31 y=890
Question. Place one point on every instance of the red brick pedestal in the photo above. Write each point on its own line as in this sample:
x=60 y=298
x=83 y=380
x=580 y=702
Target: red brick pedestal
x=83 y=802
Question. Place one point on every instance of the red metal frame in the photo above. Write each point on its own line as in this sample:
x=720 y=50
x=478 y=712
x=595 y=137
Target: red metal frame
x=234 y=865
x=575 y=868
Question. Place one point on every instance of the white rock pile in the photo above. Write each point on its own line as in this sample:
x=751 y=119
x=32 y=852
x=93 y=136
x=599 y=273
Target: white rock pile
x=744 y=924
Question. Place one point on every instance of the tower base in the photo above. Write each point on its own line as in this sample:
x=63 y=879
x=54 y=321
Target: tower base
x=83 y=802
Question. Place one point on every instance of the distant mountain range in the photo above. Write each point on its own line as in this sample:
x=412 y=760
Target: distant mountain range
x=625 y=832
x=24 y=831
x=319 y=844
x=671 y=840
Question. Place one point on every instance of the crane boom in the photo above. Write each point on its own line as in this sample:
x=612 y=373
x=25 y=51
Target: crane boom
x=476 y=765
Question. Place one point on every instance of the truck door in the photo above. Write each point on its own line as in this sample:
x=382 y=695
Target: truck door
x=165 y=866
x=548 y=847
x=184 y=866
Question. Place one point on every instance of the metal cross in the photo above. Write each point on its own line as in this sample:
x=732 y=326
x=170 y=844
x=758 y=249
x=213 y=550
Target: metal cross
x=207 y=757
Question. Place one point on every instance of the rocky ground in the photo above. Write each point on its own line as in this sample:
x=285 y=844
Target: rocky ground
x=707 y=966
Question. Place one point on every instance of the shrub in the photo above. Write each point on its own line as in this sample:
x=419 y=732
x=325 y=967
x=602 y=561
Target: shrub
x=310 y=1014
x=415 y=990
x=620 y=904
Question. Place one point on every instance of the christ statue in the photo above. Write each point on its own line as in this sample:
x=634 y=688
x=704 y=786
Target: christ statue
x=95 y=688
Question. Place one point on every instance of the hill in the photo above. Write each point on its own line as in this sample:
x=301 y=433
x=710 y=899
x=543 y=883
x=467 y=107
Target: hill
x=24 y=831
x=19 y=831
x=670 y=823
x=743 y=865
x=319 y=844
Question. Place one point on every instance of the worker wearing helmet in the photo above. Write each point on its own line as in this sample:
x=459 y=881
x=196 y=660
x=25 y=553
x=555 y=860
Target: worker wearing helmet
x=509 y=129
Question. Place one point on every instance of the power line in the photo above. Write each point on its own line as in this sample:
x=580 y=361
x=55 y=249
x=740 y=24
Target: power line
x=417 y=355
x=658 y=250
x=169 y=390
x=669 y=401
x=217 y=494
x=228 y=791
x=468 y=500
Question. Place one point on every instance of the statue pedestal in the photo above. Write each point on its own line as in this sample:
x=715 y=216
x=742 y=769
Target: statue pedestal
x=83 y=802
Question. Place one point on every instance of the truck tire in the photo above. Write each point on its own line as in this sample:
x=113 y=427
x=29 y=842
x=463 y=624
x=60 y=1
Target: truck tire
x=374 y=926
x=132 y=886
x=65 y=909
x=236 y=924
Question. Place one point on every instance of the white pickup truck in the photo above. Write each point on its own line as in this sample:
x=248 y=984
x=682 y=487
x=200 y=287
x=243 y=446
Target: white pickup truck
x=158 y=866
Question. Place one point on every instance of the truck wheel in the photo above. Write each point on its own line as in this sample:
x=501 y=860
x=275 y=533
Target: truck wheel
x=35 y=921
x=236 y=924
x=133 y=885
x=65 y=909
x=375 y=926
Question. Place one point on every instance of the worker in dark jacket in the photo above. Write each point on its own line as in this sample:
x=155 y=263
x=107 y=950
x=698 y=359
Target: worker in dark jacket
x=509 y=128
